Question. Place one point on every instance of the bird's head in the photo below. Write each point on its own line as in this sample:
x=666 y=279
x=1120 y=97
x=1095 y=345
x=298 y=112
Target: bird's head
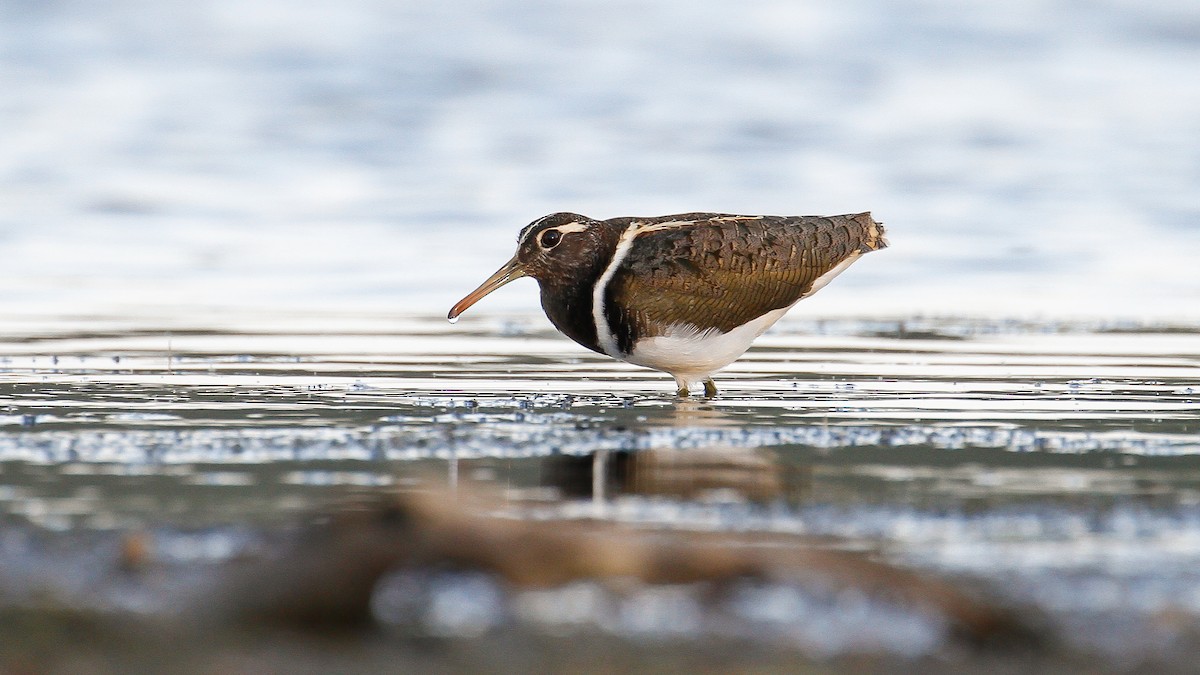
x=553 y=249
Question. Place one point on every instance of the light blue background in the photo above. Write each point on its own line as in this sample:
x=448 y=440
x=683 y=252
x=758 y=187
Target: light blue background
x=1030 y=158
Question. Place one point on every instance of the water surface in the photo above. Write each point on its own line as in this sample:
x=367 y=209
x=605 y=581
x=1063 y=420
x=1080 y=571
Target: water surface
x=1057 y=464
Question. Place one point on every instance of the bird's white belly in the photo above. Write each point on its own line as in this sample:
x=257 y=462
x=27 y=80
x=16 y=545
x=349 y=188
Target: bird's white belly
x=691 y=354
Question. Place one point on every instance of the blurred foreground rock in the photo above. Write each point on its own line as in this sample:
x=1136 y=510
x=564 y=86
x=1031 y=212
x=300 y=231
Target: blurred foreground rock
x=326 y=577
x=306 y=598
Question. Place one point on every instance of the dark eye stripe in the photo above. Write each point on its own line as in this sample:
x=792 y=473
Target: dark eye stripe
x=550 y=238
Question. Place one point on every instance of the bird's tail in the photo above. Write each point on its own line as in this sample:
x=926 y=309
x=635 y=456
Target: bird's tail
x=874 y=235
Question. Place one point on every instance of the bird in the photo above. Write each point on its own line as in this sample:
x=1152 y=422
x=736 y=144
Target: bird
x=685 y=294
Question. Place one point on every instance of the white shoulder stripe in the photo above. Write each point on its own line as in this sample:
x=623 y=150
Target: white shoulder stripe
x=604 y=334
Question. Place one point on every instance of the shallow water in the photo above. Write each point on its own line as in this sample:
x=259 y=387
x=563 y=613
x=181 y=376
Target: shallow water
x=1059 y=463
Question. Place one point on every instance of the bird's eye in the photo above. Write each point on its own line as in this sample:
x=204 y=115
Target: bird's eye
x=550 y=238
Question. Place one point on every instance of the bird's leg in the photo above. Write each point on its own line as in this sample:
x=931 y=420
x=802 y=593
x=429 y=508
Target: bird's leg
x=710 y=388
x=682 y=391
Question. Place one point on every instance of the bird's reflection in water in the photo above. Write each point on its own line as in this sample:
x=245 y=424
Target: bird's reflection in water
x=714 y=473
x=691 y=413
x=707 y=473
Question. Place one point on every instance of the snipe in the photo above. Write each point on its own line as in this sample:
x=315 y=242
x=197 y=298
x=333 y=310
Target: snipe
x=685 y=294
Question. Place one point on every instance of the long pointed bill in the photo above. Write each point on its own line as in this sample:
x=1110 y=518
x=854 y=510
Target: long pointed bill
x=511 y=270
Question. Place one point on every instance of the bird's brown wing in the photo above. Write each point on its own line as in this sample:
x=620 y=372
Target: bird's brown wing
x=712 y=270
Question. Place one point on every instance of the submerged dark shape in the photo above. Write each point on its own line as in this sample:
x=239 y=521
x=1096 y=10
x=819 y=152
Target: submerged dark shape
x=685 y=294
x=325 y=578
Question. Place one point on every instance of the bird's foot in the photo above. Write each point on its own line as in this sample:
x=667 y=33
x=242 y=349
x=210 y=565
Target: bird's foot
x=710 y=388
